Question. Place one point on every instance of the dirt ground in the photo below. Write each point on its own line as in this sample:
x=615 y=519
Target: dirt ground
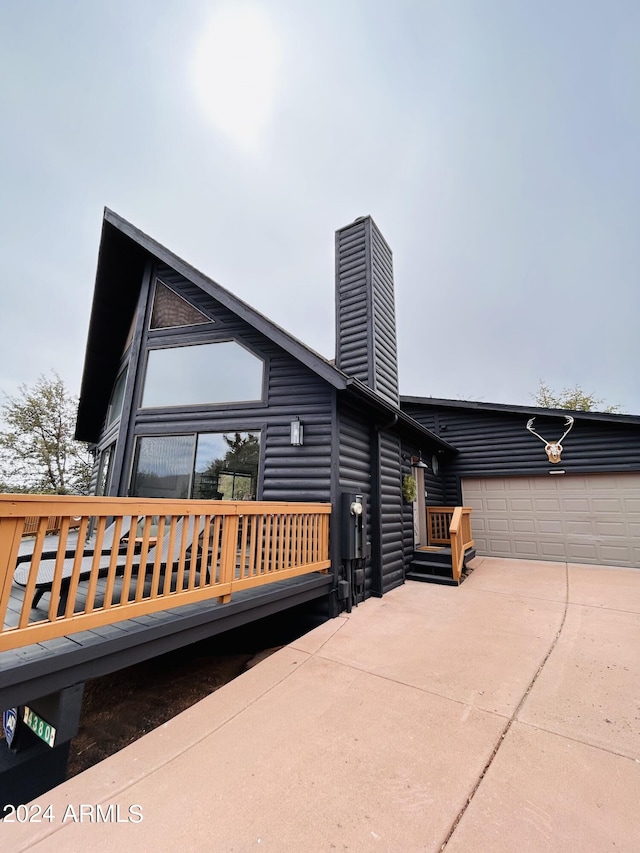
x=118 y=709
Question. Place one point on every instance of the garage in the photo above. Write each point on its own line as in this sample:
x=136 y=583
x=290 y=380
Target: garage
x=592 y=518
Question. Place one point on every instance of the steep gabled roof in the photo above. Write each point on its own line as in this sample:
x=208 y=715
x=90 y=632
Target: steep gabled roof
x=531 y=411
x=124 y=253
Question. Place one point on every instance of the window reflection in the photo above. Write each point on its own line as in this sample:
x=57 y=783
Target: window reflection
x=205 y=373
x=227 y=466
x=162 y=467
x=208 y=466
x=117 y=399
x=104 y=470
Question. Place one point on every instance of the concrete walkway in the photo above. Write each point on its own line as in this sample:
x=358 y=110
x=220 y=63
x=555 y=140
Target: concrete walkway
x=500 y=716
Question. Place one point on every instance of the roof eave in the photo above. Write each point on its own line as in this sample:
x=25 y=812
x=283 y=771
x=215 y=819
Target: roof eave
x=506 y=408
x=397 y=418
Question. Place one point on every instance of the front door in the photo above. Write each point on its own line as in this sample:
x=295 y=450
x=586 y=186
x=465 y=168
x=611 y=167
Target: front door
x=419 y=510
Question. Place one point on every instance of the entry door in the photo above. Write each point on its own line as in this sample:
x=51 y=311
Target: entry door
x=420 y=535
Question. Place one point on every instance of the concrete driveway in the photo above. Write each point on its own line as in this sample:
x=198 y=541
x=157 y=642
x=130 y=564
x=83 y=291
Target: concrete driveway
x=500 y=716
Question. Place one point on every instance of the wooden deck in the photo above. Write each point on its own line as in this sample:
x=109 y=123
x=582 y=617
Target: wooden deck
x=43 y=668
x=275 y=561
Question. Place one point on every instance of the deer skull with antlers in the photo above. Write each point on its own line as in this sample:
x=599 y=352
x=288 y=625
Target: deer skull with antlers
x=552 y=448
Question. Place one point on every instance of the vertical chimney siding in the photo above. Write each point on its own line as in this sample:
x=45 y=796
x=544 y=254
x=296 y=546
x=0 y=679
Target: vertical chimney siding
x=366 y=345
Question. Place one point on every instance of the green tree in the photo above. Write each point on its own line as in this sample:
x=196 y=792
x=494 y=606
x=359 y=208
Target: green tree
x=37 y=447
x=574 y=399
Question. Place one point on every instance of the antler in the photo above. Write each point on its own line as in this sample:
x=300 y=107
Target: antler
x=568 y=423
x=533 y=432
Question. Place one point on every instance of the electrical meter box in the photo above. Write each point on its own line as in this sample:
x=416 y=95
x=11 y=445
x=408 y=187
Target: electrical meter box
x=353 y=526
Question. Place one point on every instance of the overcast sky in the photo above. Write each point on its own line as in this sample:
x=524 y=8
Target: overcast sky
x=495 y=143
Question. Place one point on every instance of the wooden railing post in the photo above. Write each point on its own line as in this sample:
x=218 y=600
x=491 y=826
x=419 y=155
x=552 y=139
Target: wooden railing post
x=10 y=536
x=461 y=538
x=228 y=558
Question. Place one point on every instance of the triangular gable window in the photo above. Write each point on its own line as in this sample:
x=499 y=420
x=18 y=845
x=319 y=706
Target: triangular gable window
x=171 y=310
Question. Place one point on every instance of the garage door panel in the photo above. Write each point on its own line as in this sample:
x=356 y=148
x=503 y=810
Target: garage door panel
x=582 y=554
x=616 y=554
x=578 y=528
x=554 y=528
x=521 y=505
x=547 y=505
x=613 y=506
x=552 y=550
x=575 y=483
x=580 y=518
x=537 y=484
x=523 y=525
x=526 y=549
x=494 y=505
x=502 y=547
x=497 y=485
x=576 y=505
x=610 y=528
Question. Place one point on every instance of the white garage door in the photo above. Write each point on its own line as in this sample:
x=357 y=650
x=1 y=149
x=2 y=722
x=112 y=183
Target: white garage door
x=591 y=518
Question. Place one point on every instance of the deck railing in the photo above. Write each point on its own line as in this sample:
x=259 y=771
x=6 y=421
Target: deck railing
x=451 y=526
x=438 y=523
x=461 y=538
x=131 y=557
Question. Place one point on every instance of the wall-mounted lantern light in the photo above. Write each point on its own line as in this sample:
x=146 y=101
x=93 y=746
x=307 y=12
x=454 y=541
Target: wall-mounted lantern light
x=418 y=463
x=297 y=432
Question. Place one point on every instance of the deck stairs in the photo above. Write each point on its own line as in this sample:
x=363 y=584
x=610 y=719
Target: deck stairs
x=432 y=564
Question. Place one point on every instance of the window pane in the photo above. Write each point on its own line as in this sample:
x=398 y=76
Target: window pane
x=104 y=470
x=171 y=310
x=117 y=398
x=205 y=373
x=227 y=466
x=162 y=467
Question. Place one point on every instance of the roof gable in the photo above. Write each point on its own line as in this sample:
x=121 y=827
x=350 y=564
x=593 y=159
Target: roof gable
x=124 y=255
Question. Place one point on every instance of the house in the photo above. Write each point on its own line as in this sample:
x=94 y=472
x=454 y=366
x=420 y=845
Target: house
x=584 y=508
x=188 y=391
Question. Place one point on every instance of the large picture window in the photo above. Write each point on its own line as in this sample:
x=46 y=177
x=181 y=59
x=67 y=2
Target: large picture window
x=206 y=466
x=204 y=373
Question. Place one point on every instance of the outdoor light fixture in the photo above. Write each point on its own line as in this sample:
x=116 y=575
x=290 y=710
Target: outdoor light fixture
x=297 y=432
x=418 y=463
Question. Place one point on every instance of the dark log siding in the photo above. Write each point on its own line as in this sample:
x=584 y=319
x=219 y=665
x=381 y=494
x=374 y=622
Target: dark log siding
x=435 y=487
x=353 y=310
x=498 y=444
x=286 y=472
x=355 y=467
x=365 y=308
x=297 y=473
x=391 y=518
x=385 y=347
